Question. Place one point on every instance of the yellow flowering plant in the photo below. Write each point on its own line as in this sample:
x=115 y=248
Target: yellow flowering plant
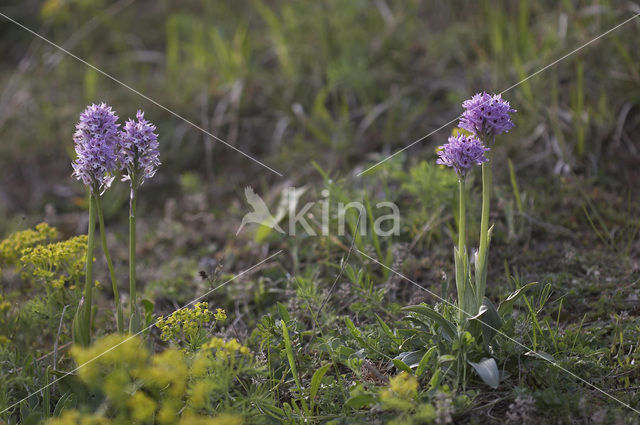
x=129 y=384
x=401 y=392
x=189 y=327
x=50 y=273
x=11 y=248
x=400 y=399
x=57 y=264
x=5 y=306
x=75 y=417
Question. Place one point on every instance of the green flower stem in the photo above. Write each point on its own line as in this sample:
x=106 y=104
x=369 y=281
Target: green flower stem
x=134 y=322
x=461 y=257
x=483 y=250
x=462 y=219
x=88 y=281
x=112 y=274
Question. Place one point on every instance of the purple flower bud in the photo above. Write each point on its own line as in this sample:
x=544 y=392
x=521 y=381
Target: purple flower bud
x=96 y=139
x=462 y=152
x=138 y=151
x=486 y=115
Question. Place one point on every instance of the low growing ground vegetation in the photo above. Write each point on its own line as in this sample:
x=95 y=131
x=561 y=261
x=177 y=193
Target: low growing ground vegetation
x=507 y=294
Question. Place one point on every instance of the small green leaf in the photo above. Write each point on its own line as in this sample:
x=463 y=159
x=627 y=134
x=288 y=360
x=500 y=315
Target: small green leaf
x=356 y=334
x=506 y=306
x=447 y=327
x=147 y=305
x=352 y=328
x=273 y=411
x=292 y=362
x=289 y=350
x=400 y=365
x=489 y=320
x=148 y=311
x=284 y=314
x=446 y=358
x=315 y=382
x=288 y=411
x=64 y=401
x=359 y=401
x=424 y=362
x=296 y=408
x=487 y=369
x=434 y=382
x=388 y=331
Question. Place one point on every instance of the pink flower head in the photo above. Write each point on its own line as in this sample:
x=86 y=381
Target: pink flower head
x=138 y=150
x=462 y=152
x=486 y=115
x=96 y=140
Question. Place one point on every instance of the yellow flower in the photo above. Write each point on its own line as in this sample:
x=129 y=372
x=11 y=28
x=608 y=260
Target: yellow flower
x=167 y=369
x=404 y=385
x=106 y=353
x=73 y=417
x=11 y=248
x=51 y=7
x=233 y=345
x=55 y=263
x=168 y=414
x=403 y=388
x=4 y=305
x=115 y=385
x=199 y=393
x=220 y=315
x=225 y=349
x=187 y=322
x=142 y=407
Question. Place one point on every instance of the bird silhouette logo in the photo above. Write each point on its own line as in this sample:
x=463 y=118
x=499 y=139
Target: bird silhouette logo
x=260 y=214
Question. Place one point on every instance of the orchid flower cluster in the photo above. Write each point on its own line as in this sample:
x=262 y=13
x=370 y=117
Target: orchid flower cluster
x=103 y=151
x=485 y=117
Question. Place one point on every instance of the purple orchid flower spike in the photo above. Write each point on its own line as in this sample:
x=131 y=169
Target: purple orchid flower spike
x=462 y=152
x=138 y=150
x=96 y=140
x=486 y=115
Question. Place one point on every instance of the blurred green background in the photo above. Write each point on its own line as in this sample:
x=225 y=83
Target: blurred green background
x=341 y=83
